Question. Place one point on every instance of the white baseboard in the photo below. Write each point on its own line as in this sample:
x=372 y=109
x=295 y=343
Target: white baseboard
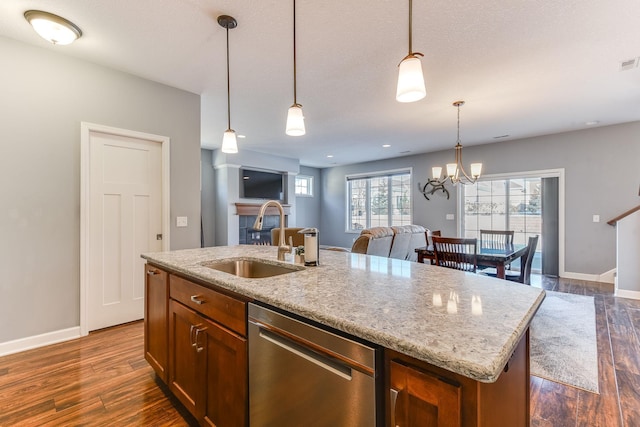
x=36 y=341
x=622 y=293
x=581 y=276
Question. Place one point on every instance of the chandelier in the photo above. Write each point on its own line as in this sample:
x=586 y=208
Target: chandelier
x=455 y=171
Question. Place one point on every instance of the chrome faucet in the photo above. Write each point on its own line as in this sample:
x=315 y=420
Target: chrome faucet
x=283 y=248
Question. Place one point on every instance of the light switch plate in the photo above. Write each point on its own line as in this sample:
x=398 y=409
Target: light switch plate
x=181 y=221
x=450 y=217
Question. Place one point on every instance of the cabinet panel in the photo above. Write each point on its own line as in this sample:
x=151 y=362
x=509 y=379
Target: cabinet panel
x=421 y=399
x=156 y=317
x=226 y=392
x=222 y=308
x=185 y=378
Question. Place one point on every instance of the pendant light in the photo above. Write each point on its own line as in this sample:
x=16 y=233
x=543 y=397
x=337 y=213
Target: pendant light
x=410 y=79
x=295 y=118
x=229 y=142
x=53 y=28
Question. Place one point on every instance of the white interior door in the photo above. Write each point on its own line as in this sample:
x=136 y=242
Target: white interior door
x=125 y=220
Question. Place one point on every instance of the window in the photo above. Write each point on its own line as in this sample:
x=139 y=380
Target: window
x=379 y=200
x=505 y=204
x=304 y=185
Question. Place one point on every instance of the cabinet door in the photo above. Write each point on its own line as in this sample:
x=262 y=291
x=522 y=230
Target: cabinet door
x=226 y=391
x=186 y=365
x=156 y=320
x=421 y=399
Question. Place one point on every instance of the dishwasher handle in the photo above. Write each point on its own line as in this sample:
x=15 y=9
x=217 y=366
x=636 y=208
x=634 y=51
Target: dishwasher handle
x=306 y=353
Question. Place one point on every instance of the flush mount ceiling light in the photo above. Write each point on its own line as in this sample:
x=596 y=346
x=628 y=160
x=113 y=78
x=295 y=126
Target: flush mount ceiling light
x=410 y=79
x=229 y=142
x=295 y=118
x=455 y=171
x=53 y=28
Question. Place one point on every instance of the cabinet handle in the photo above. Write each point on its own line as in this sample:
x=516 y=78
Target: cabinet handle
x=199 y=348
x=197 y=299
x=394 y=399
x=191 y=340
x=152 y=272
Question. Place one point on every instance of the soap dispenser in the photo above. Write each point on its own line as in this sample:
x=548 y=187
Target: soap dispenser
x=311 y=246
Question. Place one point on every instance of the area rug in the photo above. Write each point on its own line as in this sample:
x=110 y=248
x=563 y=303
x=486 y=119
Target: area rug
x=563 y=346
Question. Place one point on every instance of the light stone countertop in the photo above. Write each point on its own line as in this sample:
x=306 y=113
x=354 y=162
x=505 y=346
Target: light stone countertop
x=462 y=322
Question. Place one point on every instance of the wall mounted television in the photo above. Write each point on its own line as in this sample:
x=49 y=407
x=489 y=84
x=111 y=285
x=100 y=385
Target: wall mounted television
x=261 y=185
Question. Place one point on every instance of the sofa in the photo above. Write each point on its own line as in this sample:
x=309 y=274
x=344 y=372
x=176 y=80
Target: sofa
x=397 y=242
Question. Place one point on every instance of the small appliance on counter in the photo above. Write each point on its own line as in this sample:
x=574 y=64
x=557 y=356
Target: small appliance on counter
x=311 y=246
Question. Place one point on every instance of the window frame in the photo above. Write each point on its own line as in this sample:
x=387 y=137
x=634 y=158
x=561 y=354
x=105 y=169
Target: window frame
x=368 y=176
x=309 y=180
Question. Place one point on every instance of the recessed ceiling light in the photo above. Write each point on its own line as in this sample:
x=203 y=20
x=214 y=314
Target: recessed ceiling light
x=386 y=145
x=405 y=152
x=329 y=155
x=242 y=136
x=592 y=122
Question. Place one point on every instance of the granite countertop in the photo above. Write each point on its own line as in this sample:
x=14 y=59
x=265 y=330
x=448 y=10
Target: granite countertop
x=463 y=322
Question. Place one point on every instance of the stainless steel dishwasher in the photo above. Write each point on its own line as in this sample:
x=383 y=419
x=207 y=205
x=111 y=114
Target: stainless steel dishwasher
x=302 y=375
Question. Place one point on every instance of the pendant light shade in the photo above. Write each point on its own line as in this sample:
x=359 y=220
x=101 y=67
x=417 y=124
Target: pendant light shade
x=295 y=117
x=53 y=28
x=229 y=142
x=295 y=121
x=410 y=79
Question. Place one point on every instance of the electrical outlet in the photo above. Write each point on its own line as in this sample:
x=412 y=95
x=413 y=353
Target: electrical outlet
x=596 y=218
x=181 y=221
x=450 y=217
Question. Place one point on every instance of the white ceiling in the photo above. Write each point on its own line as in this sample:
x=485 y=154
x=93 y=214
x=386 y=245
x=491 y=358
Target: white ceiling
x=524 y=67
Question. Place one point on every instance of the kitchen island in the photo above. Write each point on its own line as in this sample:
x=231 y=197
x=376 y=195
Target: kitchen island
x=438 y=320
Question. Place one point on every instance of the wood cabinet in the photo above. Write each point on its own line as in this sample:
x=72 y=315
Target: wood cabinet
x=195 y=339
x=423 y=395
x=156 y=320
x=208 y=353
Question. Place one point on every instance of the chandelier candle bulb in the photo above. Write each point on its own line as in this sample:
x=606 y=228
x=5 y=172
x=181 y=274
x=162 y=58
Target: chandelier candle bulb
x=476 y=169
x=436 y=171
x=451 y=169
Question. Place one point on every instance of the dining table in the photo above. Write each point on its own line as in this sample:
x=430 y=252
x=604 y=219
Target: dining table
x=498 y=257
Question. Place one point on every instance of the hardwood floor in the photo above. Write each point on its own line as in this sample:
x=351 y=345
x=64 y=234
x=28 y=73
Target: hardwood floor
x=98 y=380
x=618 y=335
x=103 y=379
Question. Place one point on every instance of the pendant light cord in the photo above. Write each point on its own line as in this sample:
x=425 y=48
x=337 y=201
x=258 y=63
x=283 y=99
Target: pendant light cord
x=228 y=86
x=295 y=97
x=410 y=27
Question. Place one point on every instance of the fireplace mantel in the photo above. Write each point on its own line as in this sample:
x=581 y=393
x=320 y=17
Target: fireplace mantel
x=254 y=209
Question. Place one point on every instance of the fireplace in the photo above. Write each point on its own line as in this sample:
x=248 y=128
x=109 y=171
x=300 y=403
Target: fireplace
x=249 y=236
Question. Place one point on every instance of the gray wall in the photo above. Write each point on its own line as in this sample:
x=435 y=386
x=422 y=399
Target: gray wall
x=309 y=209
x=45 y=96
x=602 y=173
x=207 y=196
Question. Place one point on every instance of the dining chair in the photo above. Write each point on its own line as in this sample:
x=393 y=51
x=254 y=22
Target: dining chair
x=457 y=253
x=496 y=238
x=526 y=261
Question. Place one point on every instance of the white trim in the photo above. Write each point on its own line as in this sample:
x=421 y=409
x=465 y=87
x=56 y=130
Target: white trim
x=544 y=173
x=627 y=294
x=27 y=343
x=608 y=276
x=85 y=151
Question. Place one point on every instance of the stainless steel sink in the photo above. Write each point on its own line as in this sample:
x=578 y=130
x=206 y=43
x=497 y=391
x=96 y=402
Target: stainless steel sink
x=250 y=268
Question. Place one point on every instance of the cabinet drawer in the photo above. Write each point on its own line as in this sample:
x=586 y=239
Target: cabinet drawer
x=219 y=307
